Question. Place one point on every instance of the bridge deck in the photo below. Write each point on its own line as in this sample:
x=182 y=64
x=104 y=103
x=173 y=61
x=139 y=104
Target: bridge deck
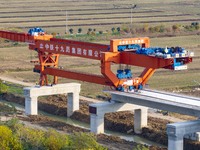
x=160 y=100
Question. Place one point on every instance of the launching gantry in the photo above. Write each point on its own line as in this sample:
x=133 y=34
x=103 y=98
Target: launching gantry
x=129 y=51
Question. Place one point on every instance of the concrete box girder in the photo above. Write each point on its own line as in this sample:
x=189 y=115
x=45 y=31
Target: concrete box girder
x=158 y=103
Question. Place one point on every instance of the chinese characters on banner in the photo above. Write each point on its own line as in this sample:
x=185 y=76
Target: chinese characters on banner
x=74 y=50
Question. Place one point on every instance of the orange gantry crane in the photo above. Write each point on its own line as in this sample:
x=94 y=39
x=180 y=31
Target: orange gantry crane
x=130 y=51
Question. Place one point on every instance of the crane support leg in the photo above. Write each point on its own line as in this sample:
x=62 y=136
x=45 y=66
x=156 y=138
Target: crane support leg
x=106 y=71
x=47 y=60
x=107 y=59
x=146 y=75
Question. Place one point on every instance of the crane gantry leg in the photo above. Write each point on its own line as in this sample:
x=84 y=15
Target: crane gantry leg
x=47 y=60
x=146 y=75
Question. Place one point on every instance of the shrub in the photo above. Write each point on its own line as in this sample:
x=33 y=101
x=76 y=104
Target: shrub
x=55 y=140
x=30 y=138
x=175 y=27
x=127 y=30
x=53 y=33
x=3 y=87
x=162 y=28
x=8 y=141
x=141 y=147
x=151 y=29
x=83 y=141
x=93 y=33
x=197 y=27
x=145 y=27
x=27 y=138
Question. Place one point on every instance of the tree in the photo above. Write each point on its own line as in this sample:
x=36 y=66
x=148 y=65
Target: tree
x=113 y=29
x=118 y=29
x=90 y=29
x=100 y=32
x=79 y=30
x=71 y=31
x=194 y=23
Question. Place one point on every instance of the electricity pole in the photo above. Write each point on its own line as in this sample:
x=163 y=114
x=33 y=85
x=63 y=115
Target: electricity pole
x=66 y=24
x=133 y=6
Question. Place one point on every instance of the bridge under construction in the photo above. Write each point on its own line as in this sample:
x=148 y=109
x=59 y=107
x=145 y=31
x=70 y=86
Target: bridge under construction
x=129 y=93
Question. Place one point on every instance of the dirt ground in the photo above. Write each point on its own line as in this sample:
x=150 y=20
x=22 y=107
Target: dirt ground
x=120 y=121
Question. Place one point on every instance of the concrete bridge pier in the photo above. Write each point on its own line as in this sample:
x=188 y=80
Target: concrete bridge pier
x=177 y=131
x=72 y=102
x=31 y=105
x=98 y=110
x=140 y=119
x=32 y=93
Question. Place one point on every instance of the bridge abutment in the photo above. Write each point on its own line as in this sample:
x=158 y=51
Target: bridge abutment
x=32 y=93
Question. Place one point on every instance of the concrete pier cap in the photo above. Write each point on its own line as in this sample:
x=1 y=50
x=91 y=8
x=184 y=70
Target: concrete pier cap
x=32 y=93
x=177 y=131
x=98 y=110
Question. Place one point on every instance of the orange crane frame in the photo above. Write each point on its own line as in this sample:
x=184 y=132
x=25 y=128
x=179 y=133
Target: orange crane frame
x=49 y=49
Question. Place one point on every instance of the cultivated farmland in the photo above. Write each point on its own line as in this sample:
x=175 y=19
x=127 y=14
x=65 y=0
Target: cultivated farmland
x=53 y=15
